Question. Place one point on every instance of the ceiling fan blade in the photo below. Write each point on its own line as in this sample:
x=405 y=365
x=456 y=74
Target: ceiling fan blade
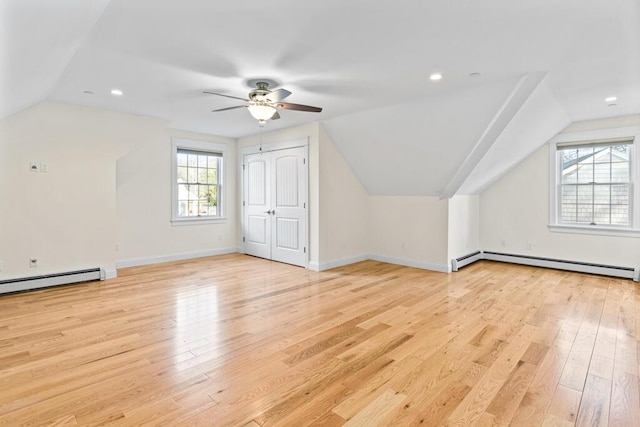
x=299 y=107
x=277 y=95
x=275 y=116
x=226 y=96
x=229 y=108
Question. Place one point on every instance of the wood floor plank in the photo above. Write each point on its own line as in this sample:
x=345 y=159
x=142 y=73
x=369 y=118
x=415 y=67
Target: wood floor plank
x=237 y=341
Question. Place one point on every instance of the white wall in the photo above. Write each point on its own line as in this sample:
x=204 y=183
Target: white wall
x=344 y=209
x=515 y=209
x=108 y=184
x=410 y=231
x=145 y=232
x=464 y=226
x=67 y=216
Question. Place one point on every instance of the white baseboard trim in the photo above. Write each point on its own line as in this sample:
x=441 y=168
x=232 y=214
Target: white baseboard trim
x=442 y=268
x=328 y=265
x=109 y=274
x=135 y=262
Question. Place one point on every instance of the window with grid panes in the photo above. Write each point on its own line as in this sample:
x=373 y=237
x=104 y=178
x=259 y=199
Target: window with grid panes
x=197 y=180
x=595 y=183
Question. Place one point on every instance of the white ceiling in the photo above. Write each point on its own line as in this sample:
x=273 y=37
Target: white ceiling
x=366 y=63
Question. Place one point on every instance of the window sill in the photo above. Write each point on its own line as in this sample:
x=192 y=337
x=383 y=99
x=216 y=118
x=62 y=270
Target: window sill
x=197 y=221
x=594 y=230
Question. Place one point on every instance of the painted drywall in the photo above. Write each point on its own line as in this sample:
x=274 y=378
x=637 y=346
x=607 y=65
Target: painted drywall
x=344 y=209
x=464 y=226
x=145 y=232
x=514 y=212
x=107 y=187
x=410 y=231
x=539 y=119
x=65 y=217
x=312 y=133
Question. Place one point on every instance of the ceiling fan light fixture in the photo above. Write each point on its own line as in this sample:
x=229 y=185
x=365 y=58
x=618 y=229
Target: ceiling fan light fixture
x=261 y=113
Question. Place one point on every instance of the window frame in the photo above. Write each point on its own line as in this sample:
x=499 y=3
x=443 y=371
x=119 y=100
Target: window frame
x=205 y=147
x=555 y=179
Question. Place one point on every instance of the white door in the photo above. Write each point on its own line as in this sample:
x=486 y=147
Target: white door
x=275 y=193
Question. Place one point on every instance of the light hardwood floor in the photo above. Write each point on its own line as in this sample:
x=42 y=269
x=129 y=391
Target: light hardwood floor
x=239 y=341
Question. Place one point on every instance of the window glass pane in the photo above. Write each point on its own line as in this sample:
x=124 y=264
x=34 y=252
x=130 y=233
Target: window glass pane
x=193 y=208
x=182 y=174
x=585 y=194
x=620 y=194
x=620 y=153
x=602 y=172
x=585 y=213
x=601 y=194
x=620 y=215
x=202 y=176
x=569 y=193
x=212 y=162
x=182 y=159
x=192 y=160
x=601 y=214
x=212 y=176
x=585 y=173
x=192 y=175
x=570 y=176
x=568 y=213
x=202 y=161
x=619 y=172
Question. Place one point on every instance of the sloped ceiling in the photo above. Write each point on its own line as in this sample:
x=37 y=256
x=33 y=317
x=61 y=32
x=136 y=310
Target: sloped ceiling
x=367 y=63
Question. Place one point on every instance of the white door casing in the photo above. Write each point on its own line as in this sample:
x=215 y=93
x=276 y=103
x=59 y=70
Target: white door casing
x=275 y=205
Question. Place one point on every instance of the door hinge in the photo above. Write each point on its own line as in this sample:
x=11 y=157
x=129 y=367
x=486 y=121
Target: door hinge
x=304 y=161
x=243 y=166
x=243 y=238
x=243 y=203
x=304 y=205
x=305 y=250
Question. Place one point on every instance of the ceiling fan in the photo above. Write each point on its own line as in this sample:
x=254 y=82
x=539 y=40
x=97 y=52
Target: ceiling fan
x=263 y=104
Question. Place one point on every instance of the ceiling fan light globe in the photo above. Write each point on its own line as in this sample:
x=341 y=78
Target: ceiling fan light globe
x=262 y=113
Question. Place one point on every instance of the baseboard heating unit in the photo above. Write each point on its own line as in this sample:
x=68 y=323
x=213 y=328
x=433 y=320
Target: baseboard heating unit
x=559 y=264
x=465 y=260
x=46 y=280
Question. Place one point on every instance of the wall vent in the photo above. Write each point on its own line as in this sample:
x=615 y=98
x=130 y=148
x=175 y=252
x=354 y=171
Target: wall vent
x=559 y=264
x=46 y=280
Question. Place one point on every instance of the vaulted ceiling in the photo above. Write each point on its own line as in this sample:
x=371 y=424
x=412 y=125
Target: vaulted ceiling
x=541 y=63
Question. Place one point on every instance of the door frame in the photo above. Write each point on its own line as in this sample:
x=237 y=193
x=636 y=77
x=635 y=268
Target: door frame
x=275 y=146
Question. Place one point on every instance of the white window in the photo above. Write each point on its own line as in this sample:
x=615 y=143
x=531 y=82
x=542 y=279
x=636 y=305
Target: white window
x=197 y=181
x=593 y=186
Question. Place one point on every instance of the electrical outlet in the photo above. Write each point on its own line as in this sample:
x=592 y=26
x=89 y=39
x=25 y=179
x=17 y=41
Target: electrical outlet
x=33 y=262
x=503 y=243
x=34 y=167
x=44 y=167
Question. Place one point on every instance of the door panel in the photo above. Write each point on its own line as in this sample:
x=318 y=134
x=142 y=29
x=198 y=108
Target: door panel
x=289 y=197
x=257 y=222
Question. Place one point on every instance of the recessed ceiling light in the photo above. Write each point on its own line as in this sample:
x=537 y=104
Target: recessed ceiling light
x=435 y=76
x=88 y=92
x=474 y=75
x=612 y=105
x=116 y=92
x=611 y=99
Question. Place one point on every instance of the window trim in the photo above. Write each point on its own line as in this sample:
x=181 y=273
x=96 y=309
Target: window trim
x=605 y=136
x=211 y=147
